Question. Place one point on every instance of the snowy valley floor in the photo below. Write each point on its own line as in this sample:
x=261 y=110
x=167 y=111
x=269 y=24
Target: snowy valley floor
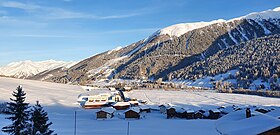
x=60 y=102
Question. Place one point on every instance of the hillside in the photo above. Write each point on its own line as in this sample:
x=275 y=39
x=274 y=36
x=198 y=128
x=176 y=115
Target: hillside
x=169 y=50
x=255 y=59
x=25 y=69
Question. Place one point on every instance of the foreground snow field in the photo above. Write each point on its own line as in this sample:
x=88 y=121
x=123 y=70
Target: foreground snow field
x=60 y=102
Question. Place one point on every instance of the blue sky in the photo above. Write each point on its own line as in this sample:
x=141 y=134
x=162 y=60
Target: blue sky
x=72 y=30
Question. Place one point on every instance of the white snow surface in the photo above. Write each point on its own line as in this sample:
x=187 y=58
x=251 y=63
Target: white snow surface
x=23 y=69
x=182 y=28
x=59 y=100
x=236 y=123
x=268 y=14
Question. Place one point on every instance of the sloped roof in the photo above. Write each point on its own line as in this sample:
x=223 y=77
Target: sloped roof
x=121 y=104
x=108 y=109
x=237 y=123
x=135 y=109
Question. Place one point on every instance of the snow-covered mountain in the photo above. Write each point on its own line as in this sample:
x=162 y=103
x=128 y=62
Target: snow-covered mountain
x=171 y=50
x=182 y=28
x=24 y=69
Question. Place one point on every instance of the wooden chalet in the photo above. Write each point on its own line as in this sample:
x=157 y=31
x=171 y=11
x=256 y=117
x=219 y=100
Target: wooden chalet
x=162 y=108
x=171 y=112
x=190 y=114
x=105 y=113
x=214 y=114
x=95 y=105
x=198 y=115
x=133 y=112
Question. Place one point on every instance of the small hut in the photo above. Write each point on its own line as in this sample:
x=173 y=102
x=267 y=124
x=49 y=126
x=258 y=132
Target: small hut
x=105 y=113
x=262 y=110
x=180 y=112
x=214 y=114
x=198 y=115
x=162 y=109
x=121 y=105
x=190 y=114
x=171 y=112
x=248 y=113
x=133 y=112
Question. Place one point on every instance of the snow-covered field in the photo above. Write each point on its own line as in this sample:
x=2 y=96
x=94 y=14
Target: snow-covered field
x=60 y=102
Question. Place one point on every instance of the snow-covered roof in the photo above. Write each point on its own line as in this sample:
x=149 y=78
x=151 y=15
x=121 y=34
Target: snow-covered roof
x=121 y=104
x=236 y=123
x=95 y=103
x=108 y=109
x=190 y=111
x=133 y=102
x=135 y=109
x=144 y=107
x=215 y=110
x=177 y=108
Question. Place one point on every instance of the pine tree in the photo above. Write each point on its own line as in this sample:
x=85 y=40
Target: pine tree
x=19 y=114
x=39 y=119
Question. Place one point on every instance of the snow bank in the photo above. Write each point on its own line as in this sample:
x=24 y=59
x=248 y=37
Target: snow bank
x=237 y=123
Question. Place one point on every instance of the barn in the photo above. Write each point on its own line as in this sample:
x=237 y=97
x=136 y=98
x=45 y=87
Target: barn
x=94 y=105
x=190 y=114
x=105 y=113
x=198 y=115
x=171 y=112
x=214 y=114
x=162 y=108
x=133 y=112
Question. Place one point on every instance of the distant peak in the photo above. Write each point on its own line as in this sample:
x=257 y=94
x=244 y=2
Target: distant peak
x=276 y=9
x=182 y=28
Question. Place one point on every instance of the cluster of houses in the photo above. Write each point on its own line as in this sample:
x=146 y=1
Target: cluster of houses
x=132 y=112
x=173 y=111
x=135 y=111
x=112 y=101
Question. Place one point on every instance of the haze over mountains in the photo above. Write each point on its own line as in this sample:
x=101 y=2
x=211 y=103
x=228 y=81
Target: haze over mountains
x=187 y=51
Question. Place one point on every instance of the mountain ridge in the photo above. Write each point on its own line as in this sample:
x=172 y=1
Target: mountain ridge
x=28 y=68
x=169 y=50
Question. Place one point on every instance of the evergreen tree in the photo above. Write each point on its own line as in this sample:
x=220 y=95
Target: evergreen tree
x=19 y=115
x=39 y=119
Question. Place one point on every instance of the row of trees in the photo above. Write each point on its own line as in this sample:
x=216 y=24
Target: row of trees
x=26 y=121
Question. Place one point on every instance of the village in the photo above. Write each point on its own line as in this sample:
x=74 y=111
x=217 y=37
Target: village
x=114 y=103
